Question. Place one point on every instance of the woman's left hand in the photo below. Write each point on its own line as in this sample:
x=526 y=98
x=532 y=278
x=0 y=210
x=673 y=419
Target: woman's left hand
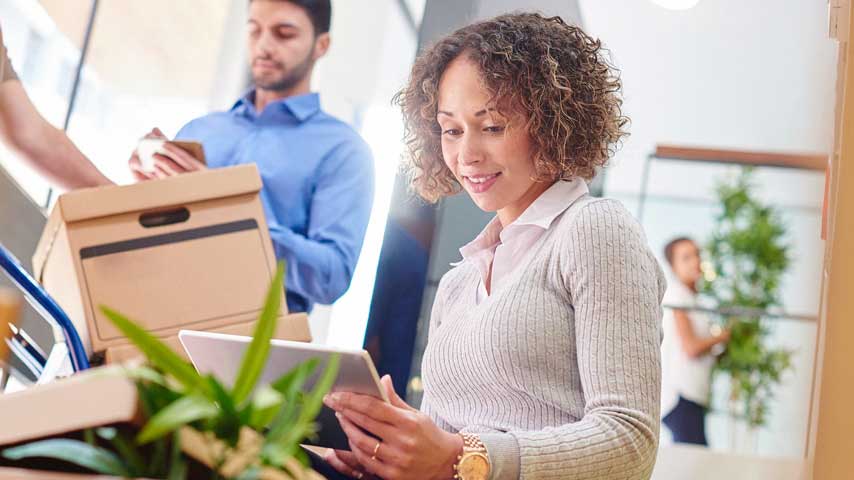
x=408 y=443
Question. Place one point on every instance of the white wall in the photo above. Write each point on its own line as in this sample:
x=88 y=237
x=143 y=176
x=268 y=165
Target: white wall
x=370 y=57
x=755 y=75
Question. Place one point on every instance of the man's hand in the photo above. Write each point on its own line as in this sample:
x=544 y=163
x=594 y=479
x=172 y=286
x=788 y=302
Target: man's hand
x=136 y=165
x=175 y=162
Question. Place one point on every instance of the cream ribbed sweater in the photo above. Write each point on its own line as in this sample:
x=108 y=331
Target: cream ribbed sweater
x=559 y=371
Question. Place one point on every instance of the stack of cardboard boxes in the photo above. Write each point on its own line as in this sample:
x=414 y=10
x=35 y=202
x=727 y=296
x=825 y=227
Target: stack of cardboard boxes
x=188 y=252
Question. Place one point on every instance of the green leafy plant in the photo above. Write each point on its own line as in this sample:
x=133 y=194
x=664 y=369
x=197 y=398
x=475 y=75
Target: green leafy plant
x=245 y=432
x=748 y=255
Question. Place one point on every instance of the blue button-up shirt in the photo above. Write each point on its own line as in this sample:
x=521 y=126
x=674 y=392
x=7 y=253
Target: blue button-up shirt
x=318 y=178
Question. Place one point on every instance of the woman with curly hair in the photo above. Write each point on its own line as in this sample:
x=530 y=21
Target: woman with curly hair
x=543 y=355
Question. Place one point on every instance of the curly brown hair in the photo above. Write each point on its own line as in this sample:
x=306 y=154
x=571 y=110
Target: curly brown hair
x=552 y=72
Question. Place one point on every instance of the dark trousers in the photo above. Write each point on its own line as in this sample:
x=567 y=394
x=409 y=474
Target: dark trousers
x=687 y=422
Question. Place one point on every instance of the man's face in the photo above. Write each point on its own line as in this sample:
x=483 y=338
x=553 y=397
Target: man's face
x=282 y=44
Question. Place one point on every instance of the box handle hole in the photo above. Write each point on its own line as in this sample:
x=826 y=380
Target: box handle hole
x=164 y=217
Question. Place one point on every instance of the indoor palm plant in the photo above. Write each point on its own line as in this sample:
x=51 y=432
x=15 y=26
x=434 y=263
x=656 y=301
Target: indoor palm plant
x=193 y=421
x=748 y=256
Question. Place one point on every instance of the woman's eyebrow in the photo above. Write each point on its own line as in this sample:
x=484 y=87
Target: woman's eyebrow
x=484 y=111
x=477 y=114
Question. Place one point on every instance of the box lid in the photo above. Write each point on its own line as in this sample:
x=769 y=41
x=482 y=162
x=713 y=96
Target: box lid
x=93 y=398
x=98 y=202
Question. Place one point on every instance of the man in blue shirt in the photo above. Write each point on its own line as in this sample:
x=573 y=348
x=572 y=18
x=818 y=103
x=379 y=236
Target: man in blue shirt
x=317 y=172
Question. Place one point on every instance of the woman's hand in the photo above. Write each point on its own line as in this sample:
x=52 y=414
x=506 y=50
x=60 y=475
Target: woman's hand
x=408 y=443
x=346 y=463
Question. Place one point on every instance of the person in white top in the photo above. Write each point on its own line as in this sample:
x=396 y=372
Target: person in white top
x=686 y=350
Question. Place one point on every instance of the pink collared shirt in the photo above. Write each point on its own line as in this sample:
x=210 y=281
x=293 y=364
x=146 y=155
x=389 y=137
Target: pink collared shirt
x=505 y=248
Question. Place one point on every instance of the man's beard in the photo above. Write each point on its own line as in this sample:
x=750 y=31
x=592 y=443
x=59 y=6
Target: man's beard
x=290 y=77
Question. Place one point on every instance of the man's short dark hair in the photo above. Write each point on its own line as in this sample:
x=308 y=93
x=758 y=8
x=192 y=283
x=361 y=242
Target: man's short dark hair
x=671 y=245
x=319 y=11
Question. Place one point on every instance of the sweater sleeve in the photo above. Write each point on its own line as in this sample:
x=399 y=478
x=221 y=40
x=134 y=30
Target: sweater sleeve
x=615 y=286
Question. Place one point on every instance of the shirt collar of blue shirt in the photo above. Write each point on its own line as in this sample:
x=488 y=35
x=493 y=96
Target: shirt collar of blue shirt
x=301 y=107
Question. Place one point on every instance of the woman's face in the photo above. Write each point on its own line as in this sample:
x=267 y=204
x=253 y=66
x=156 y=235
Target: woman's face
x=488 y=153
x=686 y=262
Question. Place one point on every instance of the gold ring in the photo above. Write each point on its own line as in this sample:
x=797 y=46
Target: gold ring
x=376 y=449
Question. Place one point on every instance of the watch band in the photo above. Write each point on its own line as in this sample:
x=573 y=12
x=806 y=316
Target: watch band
x=473 y=463
x=471 y=442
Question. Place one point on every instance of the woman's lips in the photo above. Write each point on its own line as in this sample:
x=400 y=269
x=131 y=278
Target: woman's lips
x=480 y=183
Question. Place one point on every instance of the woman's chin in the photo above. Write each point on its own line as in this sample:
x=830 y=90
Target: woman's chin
x=485 y=204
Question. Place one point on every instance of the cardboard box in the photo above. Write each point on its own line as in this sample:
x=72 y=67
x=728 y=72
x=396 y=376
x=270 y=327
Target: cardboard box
x=100 y=397
x=32 y=414
x=186 y=252
x=293 y=326
x=23 y=474
x=94 y=398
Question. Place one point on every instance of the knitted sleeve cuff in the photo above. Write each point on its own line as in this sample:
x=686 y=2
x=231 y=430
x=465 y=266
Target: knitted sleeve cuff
x=503 y=450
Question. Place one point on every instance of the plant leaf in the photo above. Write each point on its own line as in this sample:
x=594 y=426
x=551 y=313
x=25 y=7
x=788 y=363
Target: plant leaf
x=291 y=382
x=284 y=437
x=255 y=357
x=290 y=385
x=223 y=399
x=73 y=451
x=126 y=450
x=181 y=412
x=262 y=410
x=89 y=437
x=145 y=374
x=314 y=400
x=227 y=424
x=177 y=464
x=157 y=352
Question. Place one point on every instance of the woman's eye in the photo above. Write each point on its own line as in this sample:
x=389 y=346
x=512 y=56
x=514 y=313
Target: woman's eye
x=452 y=131
x=494 y=129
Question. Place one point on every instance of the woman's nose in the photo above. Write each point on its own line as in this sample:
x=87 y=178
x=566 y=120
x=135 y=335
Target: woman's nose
x=470 y=152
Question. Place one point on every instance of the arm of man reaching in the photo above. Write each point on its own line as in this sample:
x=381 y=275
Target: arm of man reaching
x=44 y=146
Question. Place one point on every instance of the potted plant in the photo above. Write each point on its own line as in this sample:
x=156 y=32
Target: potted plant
x=191 y=424
x=748 y=256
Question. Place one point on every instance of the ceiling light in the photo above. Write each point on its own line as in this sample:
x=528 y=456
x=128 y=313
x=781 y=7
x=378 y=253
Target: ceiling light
x=676 y=4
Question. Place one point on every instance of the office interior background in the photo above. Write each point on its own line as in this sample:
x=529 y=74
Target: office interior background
x=724 y=74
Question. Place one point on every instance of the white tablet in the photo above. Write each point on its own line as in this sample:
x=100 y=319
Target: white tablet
x=220 y=354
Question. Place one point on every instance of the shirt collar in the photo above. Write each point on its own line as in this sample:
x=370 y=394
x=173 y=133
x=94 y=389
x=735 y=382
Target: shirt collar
x=545 y=209
x=551 y=203
x=486 y=240
x=301 y=107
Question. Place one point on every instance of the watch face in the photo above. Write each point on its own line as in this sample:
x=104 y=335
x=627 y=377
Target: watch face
x=474 y=467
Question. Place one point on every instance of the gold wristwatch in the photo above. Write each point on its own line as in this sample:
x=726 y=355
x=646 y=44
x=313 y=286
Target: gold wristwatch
x=473 y=464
